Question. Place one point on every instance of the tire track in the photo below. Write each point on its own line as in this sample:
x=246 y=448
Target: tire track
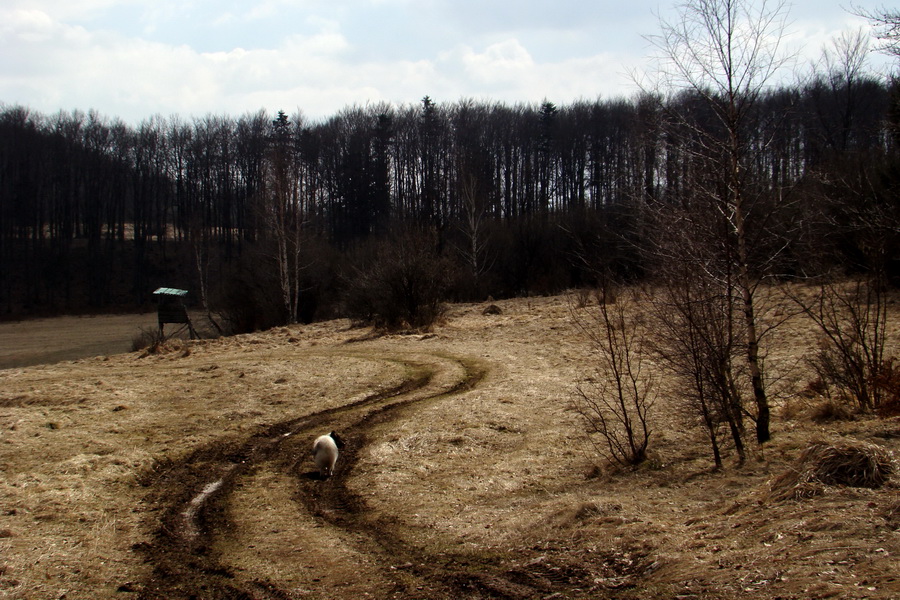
x=192 y=495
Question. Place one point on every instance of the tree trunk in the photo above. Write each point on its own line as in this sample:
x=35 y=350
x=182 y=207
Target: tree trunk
x=756 y=379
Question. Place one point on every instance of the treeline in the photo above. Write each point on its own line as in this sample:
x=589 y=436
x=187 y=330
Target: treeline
x=271 y=218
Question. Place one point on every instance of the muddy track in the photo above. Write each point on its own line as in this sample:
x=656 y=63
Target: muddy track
x=191 y=499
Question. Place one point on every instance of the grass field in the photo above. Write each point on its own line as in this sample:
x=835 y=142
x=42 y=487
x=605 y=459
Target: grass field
x=186 y=473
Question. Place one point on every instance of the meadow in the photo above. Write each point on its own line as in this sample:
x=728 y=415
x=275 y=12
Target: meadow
x=185 y=471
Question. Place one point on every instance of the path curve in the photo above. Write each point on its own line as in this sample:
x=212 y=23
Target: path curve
x=192 y=496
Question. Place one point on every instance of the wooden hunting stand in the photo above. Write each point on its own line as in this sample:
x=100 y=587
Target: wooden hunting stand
x=171 y=309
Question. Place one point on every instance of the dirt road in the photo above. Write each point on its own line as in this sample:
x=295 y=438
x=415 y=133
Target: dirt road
x=347 y=550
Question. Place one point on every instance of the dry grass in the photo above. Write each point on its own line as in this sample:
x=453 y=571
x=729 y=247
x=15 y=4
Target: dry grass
x=822 y=464
x=499 y=473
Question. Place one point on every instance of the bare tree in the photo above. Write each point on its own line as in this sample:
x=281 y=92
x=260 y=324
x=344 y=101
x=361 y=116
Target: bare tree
x=697 y=337
x=839 y=91
x=283 y=213
x=887 y=27
x=726 y=53
x=474 y=229
x=615 y=404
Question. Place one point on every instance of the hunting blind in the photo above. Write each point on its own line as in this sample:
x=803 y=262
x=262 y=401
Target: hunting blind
x=171 y=309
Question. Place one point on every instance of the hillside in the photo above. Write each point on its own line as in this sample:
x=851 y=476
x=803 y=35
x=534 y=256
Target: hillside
x=186 y=473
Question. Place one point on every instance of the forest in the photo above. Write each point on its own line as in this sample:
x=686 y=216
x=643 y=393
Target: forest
x=273 y=218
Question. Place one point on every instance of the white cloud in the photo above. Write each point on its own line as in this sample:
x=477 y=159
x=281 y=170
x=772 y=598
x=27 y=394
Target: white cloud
x=325 y=44
x=193 y=56
x=506 y=61
x=266 y=9
x=29 y=25
x=69 y=67
x=67 y=10
x=507 y=71
x=808 y=37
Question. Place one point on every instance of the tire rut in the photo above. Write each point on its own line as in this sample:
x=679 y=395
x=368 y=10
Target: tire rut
x=192 y=497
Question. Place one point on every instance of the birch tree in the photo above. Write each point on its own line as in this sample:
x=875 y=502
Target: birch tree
x=726 y=53
x=283 y=213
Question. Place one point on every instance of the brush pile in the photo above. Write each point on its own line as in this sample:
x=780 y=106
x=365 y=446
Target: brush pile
x=850 y=464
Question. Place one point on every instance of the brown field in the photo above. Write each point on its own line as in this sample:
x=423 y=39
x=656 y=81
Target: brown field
x=41 y=341
x=186 y=473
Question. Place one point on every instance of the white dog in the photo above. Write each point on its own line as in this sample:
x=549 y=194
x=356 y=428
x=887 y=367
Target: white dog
x=325 y=453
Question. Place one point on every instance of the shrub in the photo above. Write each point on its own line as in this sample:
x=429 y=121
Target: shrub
x=852 y=317
x=615 y=405
x=888 y=382
x=399 y=284
x=828 y=411
x=147 y=339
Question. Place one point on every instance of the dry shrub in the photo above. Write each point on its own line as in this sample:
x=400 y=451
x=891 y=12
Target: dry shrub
x=167 y=346
x=398 y=284
x=829 y=411
x=851 y=464
x=582 y=297
x=891 y=408
x=819 y=409
x=579 y=513
x=850 y=361
x=815 y=388
x=616 y=404
x=148 y=339
x=795 y=409
x=888 y=381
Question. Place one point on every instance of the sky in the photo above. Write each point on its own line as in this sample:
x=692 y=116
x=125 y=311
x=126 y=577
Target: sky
x=132 y=59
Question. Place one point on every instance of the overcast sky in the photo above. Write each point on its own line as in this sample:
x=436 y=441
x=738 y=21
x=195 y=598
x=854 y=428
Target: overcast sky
x=136 y=58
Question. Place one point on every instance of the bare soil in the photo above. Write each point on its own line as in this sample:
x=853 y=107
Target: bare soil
x=187 y=474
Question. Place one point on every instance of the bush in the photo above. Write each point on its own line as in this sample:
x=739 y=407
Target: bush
x=615 y=404
x=399 y=284
x=852 y=317
x=888 y=381
x=147 y=339
x=829 y=410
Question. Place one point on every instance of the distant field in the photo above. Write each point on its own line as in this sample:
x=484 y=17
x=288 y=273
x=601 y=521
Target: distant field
x=41 y=341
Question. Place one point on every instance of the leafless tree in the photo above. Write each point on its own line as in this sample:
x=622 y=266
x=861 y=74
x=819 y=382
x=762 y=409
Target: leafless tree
x=590 y=169
x=697 y=337
x=283 y=212
x=839 y=91
x=887 y=27
x=616 y=403
x=474 y=230
x=844 y=60
x=726 y=53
